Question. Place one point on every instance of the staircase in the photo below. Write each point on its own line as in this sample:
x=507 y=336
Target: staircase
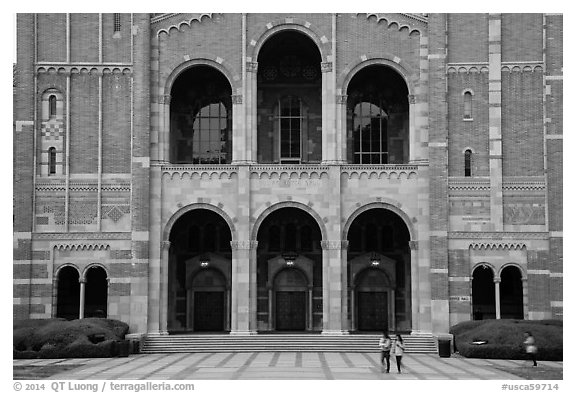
x=417 y=343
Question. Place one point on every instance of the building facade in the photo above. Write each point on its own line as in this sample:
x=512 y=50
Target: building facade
x=305 y=172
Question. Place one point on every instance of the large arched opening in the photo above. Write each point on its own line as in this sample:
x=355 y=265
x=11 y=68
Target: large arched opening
x=289 y=271
x=68 y=293
x=378 y=121
x=511 y=293
x=483 y=293
x=289 y=99
x=201 y=117
x=199 y=273
x=96 y=300
x=379 y=272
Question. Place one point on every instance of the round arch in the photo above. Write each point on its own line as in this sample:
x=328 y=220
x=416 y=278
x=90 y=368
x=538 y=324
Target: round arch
x=504 y=266
x=280 y=205
x=91 y=265
x=361 y=276
x=206 y=206
x=379 y=205
x=181 y=68
x=483 y=265
x=285 y=270
x=59 y=268
x=343 y=80
x=310 y=32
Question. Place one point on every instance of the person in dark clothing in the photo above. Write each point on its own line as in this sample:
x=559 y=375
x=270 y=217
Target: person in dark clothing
x=399 y=351
x=385 y=345
x=531 y=349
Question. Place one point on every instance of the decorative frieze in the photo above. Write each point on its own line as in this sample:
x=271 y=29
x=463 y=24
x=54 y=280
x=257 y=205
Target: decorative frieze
x=380 y=172
x=334 y=244
x=97 y=69
x=81 y=246
x=244 y=244
x=68 y=236
x=222 y=172
x=500 y=235
x=497 y=246
x=524 y=214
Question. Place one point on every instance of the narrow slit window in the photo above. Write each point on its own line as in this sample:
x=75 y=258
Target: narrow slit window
x=52 y=106
x=467 y=105
x=468 y=163
x=117 y=24
x=52 y=161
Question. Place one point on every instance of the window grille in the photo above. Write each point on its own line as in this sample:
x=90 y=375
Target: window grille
x=370 y=124
x=117 y=25
x=468 y=163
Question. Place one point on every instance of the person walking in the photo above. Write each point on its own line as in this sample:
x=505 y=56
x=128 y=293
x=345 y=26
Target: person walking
x=530 y=345
x=399 y=351
x=385 y=345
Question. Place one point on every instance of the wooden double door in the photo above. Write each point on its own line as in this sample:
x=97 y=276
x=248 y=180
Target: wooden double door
x=290 y=310
x=372 y=311
x=209 y=308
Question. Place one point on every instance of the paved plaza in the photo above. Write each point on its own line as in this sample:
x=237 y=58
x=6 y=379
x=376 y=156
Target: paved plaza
x=273 y=365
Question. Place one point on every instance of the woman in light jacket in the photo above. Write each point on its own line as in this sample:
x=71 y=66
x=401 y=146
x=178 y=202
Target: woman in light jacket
x=399 y=351
x=385 y=345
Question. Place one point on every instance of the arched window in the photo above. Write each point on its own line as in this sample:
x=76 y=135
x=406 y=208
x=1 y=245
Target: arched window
x=467 y=105
x=370 y=134
x=468 y=163
x=289 y=118
x=210 y=135
x=52 y=161
x=52 y=106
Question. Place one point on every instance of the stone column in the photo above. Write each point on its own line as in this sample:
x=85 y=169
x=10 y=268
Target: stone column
x=310 y=320
x=241 y=295
x=495 y=121
x=164 y=273
x=251 y=114
x=239 y=130
x=82 y=297
x=332 y=289
x=497 y=296
x=352 y=309
x=414 y=286
x=164 y=135
x=340 y=104
x=329 y=137
x=525 y=297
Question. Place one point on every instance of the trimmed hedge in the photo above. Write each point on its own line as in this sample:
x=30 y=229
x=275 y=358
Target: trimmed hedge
x=59 y=338
x=505 y=337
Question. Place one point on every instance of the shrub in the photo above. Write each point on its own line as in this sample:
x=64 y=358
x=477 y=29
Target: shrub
x=504 y=338
x=58 y=338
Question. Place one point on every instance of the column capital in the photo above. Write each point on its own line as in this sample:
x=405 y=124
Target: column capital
x=251 y=66
x=326 y=66
x=411 y=99
x=342 y=99
x=82 y=280
x=165 y=245
x=164 y=99
x=497 y=280
x=236 y=99
x=413 y=244
x=334 y=244
x=244 y=244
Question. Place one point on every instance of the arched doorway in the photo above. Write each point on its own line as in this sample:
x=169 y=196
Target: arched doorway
x=483 y=293
x=290 y=300
x=511 y=293
x=201 y=117
x=96 y=300
x=289 y=271
x=68 y=293
x=208 y=292
x=378 y=117
x=373 y=296
x=289 y=102
x=199 y=273
x=379 y=272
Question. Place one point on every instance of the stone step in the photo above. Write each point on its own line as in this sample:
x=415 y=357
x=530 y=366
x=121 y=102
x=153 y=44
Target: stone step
x=279 y=343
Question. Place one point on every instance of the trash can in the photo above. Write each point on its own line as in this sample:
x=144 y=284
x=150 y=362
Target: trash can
x=123 y=348
x=444 y=344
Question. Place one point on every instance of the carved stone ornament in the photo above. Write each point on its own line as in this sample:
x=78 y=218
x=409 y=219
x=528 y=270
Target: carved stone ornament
x=237 y=99
x=164 y=99
x=251 y=66
x=165 y=245
x=326 y=66
x=342 y=99
x=411 y=98
x=244 y=244
x=333 y=244
x=413 y=244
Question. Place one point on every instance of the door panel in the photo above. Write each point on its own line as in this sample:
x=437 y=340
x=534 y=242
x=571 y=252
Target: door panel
x=290 y=310
x=208 y=311
x=373 y=311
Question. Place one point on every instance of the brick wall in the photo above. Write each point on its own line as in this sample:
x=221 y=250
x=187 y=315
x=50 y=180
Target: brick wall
x=116 y=45
x=522 y=124
x=521 y=37
x=84 y=97
x=467 y=38
x=51 y=37
x=84 y=38
x=116 y=121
